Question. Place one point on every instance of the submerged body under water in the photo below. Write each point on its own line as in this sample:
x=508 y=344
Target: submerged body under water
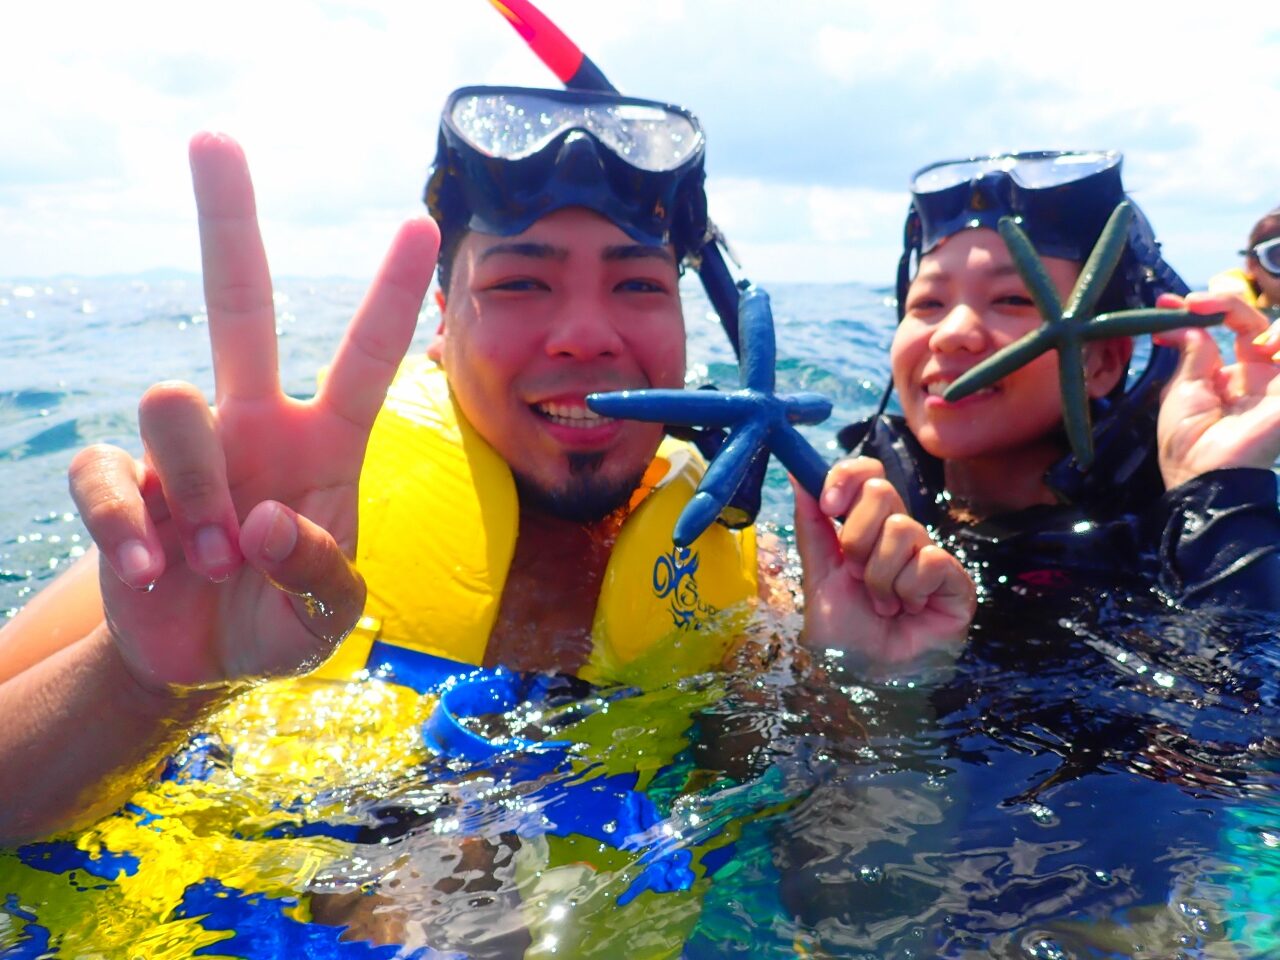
x=1096 y=776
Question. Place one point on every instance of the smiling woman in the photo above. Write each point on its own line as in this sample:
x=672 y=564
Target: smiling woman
x=1187 y=500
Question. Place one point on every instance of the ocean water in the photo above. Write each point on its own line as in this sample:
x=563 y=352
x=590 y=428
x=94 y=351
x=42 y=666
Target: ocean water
x=1096 y=777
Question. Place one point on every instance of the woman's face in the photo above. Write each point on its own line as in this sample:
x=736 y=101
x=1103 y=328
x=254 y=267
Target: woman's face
x=966 y=302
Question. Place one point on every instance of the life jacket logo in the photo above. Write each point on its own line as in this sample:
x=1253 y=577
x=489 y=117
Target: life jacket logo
x=674 y=577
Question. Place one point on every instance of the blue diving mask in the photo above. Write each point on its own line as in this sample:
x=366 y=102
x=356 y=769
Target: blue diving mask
x=1060 y=198
x=509 y=156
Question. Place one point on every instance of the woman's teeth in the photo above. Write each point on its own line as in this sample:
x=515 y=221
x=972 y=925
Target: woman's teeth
x=938 y=387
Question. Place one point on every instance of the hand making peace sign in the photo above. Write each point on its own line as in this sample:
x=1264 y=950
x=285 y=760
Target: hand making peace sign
x=241 y=518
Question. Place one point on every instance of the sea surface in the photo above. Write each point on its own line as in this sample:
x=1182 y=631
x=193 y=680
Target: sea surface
x=1096 y=777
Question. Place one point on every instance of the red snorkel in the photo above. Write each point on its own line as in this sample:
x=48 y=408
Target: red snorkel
x=571 y=66
x=578 y=72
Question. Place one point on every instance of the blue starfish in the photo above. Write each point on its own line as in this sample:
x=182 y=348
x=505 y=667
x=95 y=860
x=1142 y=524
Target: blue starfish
x=758 y=419
x=1068 y=328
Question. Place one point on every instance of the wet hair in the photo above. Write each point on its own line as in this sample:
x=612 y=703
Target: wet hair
x=451 y=236
x=1268 y=228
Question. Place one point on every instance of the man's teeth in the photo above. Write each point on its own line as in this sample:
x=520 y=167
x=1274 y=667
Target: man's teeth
x=570 y=415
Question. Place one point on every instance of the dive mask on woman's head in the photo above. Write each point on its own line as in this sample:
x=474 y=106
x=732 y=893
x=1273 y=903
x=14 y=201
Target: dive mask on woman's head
x=1061 y=200
x=508 y=156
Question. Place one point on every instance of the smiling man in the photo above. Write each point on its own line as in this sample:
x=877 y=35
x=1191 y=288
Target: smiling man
x=500 y=521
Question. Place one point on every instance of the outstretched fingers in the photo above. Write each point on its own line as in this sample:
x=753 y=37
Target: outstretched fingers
x=237 y=283
x=379 y=334
x=1254 y=341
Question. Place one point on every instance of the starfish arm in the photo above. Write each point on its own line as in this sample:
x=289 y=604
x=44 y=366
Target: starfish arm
x=721 y=481
x=1102 y=262
x=693 y=408
x=698 y=514
x=1130 y=323
x=802 y=461
x=805 y=407
x=1075 y=406
x=1001 y=363
x=1039 y=283
x=759 y=347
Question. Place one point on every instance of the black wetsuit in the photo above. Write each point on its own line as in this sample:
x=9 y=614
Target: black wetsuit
x=1212 y=541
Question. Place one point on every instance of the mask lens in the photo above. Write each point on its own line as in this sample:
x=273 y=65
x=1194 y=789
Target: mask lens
x=1032 y=171
x=1268 y=254
x=1041 y=172
x=513 y=125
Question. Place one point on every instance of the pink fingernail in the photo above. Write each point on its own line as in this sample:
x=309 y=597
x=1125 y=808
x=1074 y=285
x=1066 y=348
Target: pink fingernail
x=282 y=535
x=830 y=499
x=133 y=563
x=213 y=549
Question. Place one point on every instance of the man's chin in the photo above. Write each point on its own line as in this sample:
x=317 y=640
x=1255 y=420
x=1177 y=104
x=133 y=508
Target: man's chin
x=586 y=497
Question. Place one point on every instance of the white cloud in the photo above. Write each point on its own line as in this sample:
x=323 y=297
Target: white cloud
x=817 y=110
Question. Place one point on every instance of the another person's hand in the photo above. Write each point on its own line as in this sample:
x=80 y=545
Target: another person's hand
x=878 y=584
x=225 y=552
x=1216 y=415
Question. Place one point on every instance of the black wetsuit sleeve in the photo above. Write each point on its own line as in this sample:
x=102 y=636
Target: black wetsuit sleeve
x=1219 y=540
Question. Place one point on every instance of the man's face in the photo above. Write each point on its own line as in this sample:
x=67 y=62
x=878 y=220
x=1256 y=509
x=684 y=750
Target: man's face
x=535 y=322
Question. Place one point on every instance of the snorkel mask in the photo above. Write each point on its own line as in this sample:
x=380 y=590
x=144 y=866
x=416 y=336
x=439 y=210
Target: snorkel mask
x=1062 y=201
x=509 y=156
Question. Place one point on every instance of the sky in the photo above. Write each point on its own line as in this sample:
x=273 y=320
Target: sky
x=816 y=113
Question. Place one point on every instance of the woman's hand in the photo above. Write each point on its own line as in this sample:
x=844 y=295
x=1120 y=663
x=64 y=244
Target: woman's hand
x=1215 y=415
x=877 y=585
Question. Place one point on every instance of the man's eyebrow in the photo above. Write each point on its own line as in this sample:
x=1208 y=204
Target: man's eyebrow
x=538 y=251
x=637 y=251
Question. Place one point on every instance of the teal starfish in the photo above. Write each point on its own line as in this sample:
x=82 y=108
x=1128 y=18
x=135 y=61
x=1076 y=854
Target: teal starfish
x=1068 y=329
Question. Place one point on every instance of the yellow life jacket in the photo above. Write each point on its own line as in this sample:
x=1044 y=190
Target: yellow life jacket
x=1235 y=281
x=438 y=523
